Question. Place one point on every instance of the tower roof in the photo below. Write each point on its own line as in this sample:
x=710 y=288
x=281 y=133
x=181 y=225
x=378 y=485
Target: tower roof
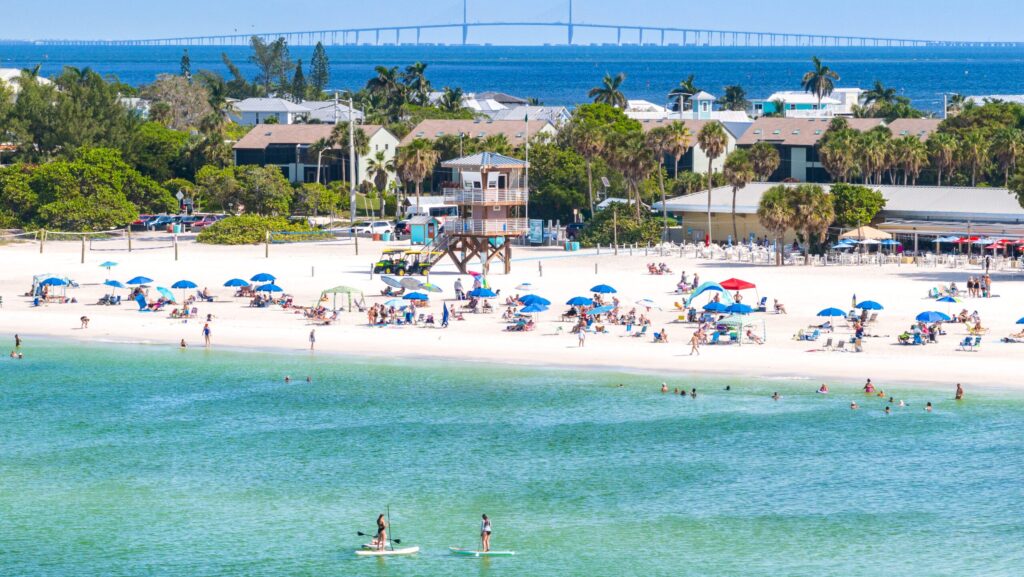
x=485 y=160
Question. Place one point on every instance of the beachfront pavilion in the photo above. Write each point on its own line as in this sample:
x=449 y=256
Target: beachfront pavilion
x=914 y=215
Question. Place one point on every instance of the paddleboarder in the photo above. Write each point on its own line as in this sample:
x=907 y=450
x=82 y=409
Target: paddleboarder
x=485 y=534
x=382 y=533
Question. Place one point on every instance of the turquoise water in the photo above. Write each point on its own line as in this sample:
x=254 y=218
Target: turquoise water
x=119 y=460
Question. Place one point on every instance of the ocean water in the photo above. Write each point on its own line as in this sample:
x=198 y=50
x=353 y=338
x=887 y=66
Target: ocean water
x=132 y=460
x=562 y=75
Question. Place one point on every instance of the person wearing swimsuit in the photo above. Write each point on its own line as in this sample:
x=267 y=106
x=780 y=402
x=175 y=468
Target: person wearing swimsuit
x=485 y=533
x=382 y=533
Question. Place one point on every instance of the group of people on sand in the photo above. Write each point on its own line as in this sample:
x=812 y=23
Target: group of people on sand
x=381 y=315
x=659 y=268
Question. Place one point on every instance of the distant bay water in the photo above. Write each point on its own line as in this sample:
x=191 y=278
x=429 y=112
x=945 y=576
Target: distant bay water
x=562 y=75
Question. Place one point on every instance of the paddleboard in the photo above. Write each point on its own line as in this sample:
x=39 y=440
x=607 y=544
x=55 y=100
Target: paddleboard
x=473 y=553
x=388 y=552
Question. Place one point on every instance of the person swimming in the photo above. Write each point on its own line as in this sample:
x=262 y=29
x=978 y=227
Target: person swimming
x=854 y=406
x=664 y=387
x=693 y=393
x=776 y=396
x=888 y=410
x=928 y=407
x=823 y=389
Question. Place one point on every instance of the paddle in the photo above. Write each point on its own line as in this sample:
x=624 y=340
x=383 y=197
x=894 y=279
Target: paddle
x=361 y=534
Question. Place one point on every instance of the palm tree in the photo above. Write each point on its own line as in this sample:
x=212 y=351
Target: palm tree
x=713 y=140
x=609 y=92
x=838 y=154
x=589 y=141
x=659 y=140
x=872 y=152
x=632 y=156
x=339 y=137
x=735 y=98
x=911 y=155
x=320 y=146
x=380 y=168
x=765 y=159
x=388 y=87
x=1007 y=148
x=775 y=213
x=497 y=143
x=416 y=82
x=451 y=100
x=680 y=95
x=942 y=148
x=879 y=94
x=819 y=81
x=738 y=171
x=680 y=141
x=415 y=163
x=813 y=212
x=974 y=152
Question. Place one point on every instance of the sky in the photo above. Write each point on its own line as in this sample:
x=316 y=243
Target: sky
x=123 y=19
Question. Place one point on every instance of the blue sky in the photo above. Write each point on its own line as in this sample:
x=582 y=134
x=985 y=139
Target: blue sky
x=937 y=19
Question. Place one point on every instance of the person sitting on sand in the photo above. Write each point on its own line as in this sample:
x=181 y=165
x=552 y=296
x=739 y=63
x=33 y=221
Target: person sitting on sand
x=662 y=337
x=780 y=309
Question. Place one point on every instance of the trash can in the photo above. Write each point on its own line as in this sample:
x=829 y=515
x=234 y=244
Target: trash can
x=177 y=229
x=376 y=236
x=385 y=236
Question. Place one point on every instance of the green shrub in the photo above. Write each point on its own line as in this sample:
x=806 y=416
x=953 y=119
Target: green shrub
x=251 y=229
x=601 y=228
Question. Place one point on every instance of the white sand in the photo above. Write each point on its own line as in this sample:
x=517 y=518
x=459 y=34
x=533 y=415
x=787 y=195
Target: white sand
x=804 y=291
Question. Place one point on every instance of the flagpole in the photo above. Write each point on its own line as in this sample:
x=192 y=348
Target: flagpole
x=526 y=183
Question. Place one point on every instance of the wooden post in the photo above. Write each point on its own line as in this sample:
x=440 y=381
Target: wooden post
x=615 y=229
x=175 y=247
x=42 y=239
x=595 y=269
x=356 y=237
x=129 y=230
x=83 y=249
x=266 y=246
x=540 y=268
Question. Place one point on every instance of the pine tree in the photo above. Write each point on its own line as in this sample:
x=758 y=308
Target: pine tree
x=319 y=68
x=298 y=83
x=186 y=65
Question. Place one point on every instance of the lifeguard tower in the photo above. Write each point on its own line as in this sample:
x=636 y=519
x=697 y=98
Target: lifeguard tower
x=491 y=192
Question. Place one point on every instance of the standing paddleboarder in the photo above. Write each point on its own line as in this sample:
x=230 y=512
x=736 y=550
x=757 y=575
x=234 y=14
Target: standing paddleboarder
x=382 y=533
x=485 y=533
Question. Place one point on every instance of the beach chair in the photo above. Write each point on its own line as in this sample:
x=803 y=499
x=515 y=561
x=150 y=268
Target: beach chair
x=202 y=297
x=763 y=305
x=642 y=332
x=657 y=337
x=966 y=344
x=840 y=346
x=813 y=336
x=714 y=338
x=917 y=339
x=873 y=318
x=828 y=345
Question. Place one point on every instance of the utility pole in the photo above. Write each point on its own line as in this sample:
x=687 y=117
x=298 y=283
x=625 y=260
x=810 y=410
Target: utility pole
x=465 y=21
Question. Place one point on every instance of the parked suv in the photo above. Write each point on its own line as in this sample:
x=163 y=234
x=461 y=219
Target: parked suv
x=372 y=228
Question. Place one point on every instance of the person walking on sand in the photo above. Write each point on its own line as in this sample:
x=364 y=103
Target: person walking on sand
x=206 y=334
x=582 y=336
x=485 y=534
x=85 y=322
x=695 y=344
x=312 y=339
x=959 y=392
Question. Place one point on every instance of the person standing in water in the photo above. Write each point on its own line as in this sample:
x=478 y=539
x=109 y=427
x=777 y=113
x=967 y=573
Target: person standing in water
x=959 y=392
x=312 y=339
x=206 y=334
x=17 y=341
x=382 y=533
x=485 y=534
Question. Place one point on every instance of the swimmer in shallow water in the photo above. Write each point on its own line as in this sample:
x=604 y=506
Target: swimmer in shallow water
x=888 y=410
x=853 y=406
x=664 y=387
x=928 y=407
x=693 y=393
x=823 y=389
x=776 y=396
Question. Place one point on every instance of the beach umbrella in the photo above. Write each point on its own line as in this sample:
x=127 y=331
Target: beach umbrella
x=264 y=277
x=535 y=299
x=444 y=316
x=932 y=316
x=167 y=294
x=54 y=281
x=269 y=288
x=395 y=303
x=108 y=264
x=739 y=309
x=392 y=282
x=869 y=241
x=411 y=283
x=715 y=307
x=831 y=312
x=602 y=289
x=236 y=282
x=580 y=302
x=735 y=284
x=869 y=306
x=114 y=283
x=842 y=245
x=431 y=287
x=140 y=280
x=601 y=310
x=482 y=293
x=184 y=285
x=533 y=309
x=414 y=296
x=948 y=299
x=525 y=287
x=890 y=242
x=648 y=303
x=1020 y=321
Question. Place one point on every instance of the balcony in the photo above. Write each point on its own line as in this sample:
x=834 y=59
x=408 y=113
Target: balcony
x=487 y=227
x=490 y=197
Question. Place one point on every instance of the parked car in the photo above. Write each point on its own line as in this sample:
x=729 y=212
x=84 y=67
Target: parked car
x=205 y=221
x=159 y=222
x=372 y=228
x=140 y=223
x=402 y=228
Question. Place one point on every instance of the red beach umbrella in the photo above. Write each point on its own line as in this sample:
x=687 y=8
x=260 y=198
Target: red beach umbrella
x=735 y=284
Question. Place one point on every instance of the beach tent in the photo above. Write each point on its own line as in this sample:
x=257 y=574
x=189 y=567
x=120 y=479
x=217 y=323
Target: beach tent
x=735 y=284
x=865 y=233
x=710 y=286
x=342 y=290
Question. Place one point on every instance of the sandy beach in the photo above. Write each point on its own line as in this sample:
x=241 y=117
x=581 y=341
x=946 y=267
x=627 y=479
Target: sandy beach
x=305 y=270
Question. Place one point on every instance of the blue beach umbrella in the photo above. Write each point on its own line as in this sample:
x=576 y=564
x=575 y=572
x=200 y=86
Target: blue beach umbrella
x=932 y=316
x=533 y=309
x=1020 y=321
x=603 y=289
x=831 y=312
x=114 y=283
x=264 y=277
x=140 y=280
x=481 y=292
x=870 y=306
x=842 y=245
x=236 y=282
x=715 y=307
x=416 y=297
x=269 y=288
x=739 y=309
x=535 y=299
x=108 y=264
x=392 y=282
x=602 y=309
x=54 y=281
x=947 y=299
x=167 y=294
x=184 y=284
x=395 y=303
x=579 y=302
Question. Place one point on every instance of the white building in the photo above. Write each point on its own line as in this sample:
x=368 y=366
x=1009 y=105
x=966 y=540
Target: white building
x=800 y=104
x=330 y=112
x=253 y=111
x=11 y=78
x=556 y=115
x=702 y=107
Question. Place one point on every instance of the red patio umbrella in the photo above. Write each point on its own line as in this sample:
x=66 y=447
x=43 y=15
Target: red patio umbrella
x=735 y=284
